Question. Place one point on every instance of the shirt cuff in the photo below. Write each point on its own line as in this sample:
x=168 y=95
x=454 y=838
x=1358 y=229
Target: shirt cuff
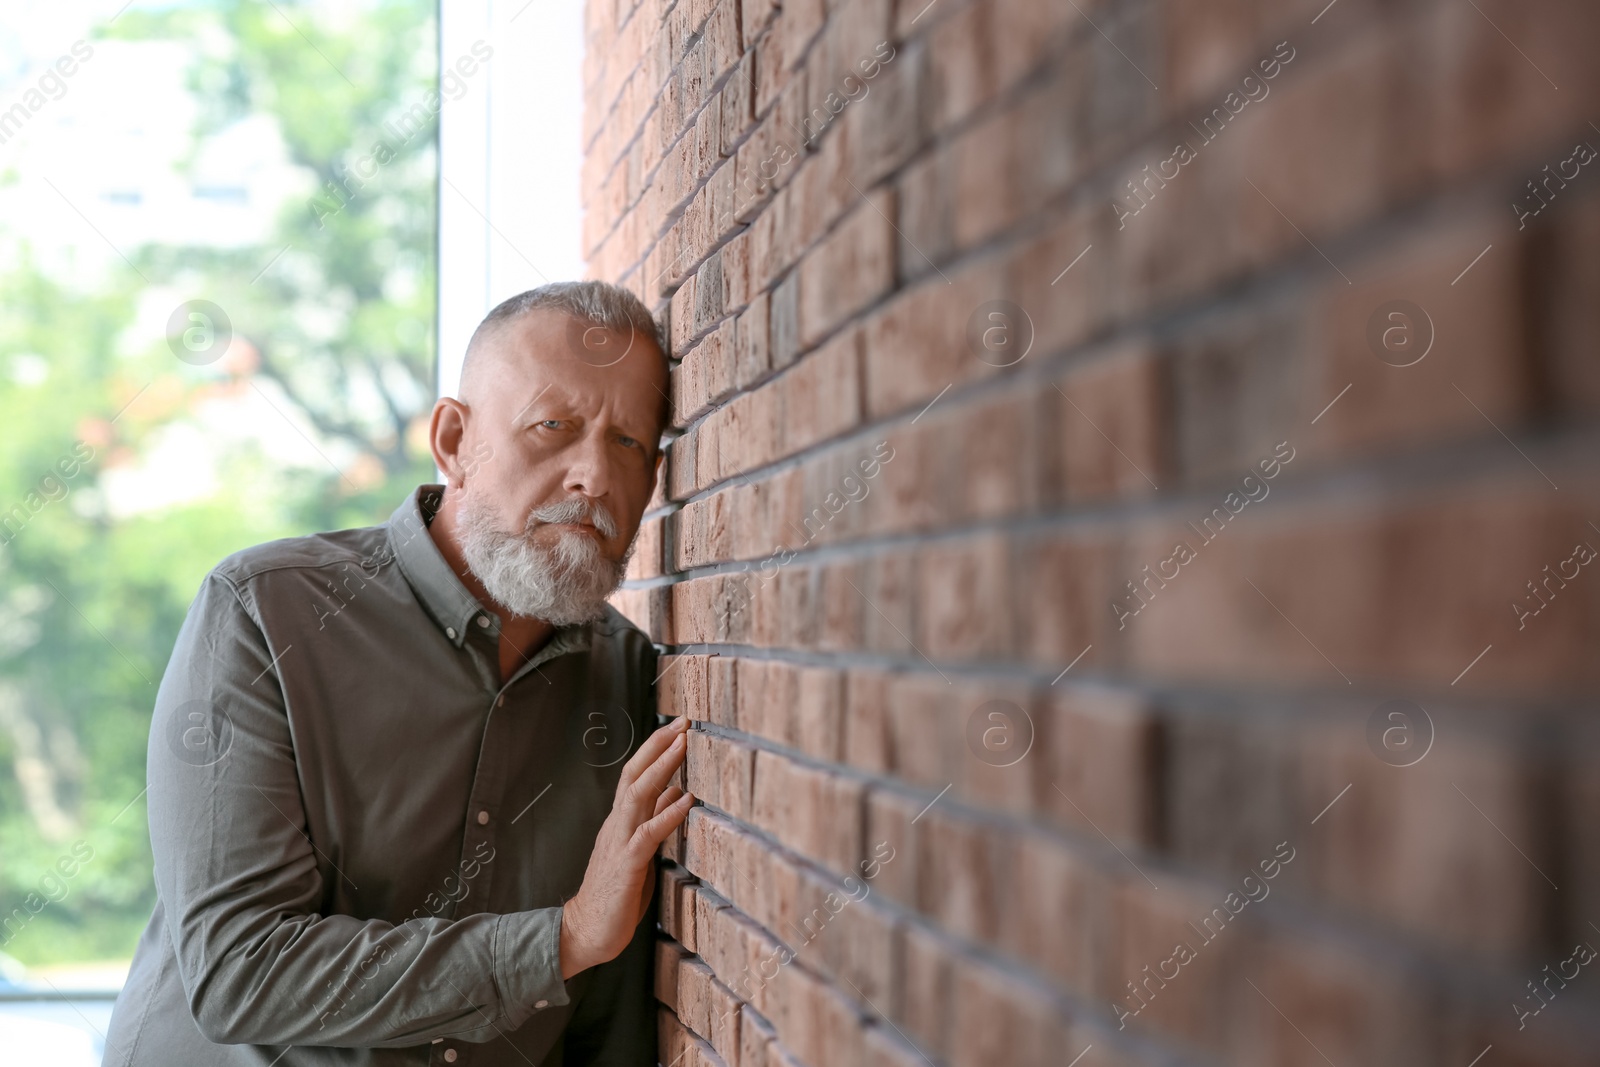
x=527 y=963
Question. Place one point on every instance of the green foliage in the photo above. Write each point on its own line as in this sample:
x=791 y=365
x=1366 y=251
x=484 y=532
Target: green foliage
x=337 y=309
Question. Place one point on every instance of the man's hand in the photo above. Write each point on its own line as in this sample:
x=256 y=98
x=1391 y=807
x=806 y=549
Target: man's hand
x=598 y=923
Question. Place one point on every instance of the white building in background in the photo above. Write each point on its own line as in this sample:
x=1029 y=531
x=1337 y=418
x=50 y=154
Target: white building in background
x=96 y=163
x=510 y=212
x=105 y=166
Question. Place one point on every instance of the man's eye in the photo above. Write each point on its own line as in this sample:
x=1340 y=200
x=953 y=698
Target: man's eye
x=627 y=442
x=551 y=424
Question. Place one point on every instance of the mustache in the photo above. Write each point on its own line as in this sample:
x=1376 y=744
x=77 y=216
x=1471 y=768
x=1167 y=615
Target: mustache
x=575 y=510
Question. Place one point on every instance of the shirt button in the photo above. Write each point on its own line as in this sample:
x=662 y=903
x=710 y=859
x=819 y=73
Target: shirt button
x=449 y=1055
x=450 y=632
x=483 y=818
x=483 y=620
x=541 y=1004
x=500 y=703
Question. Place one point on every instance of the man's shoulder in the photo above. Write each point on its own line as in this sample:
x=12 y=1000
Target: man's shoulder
x=618 y=630
x=615 y=626
x=362 y=546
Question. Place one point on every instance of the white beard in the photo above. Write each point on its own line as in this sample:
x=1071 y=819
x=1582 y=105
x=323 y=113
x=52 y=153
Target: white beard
x=562 y=584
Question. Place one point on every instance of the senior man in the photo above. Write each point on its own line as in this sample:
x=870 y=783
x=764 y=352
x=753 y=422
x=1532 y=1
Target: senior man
x=405 y=787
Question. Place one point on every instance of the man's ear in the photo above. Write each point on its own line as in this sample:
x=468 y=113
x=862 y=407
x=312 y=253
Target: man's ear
x=447 y=431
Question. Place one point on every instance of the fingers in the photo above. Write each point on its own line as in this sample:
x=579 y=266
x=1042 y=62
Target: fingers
x=653 y=779
x=668 y=795
x=650 y=834
x=653 y=746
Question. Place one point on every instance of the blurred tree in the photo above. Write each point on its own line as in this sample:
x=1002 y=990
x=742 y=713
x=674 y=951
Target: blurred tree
x=340 y=307
x=334 y=314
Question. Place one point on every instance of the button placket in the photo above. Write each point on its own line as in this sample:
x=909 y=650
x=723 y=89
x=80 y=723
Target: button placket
x=487 y=786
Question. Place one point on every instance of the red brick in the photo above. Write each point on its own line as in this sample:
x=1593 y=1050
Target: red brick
x=722 y=1022
x=961 y=63
x=1477 y=321
x=889 y=825
x=1147 y=926
x=755 y=1033
x=682 y=913
x=1098 y=747
x=962 y=864
x=924 y=192
x=992 y=468
x=1344 y=1007
x=1056 y=912
x=964 y=610
x=738 y=100
x=1010 y=166
x=819 y=1024
x=916 y=344
x=766 y=698
x=838 y=930
x=1435 y=864
x=1111 y=421
x=794 y=608
x=819 y=713
x=694 y=981
x=681 y=317
x=993 y=726
x=680 y=686
x=842 y=608
x=867 y=738
x=719 y=772
x=999 y=1019
x=815 y=812
x=720 y=692
x=1064 y=586
x=822 y=398
x=925 y=1012
x=668 y=956
x=885 y=1048
x=884 y=128
x=849 y=270
x=1469 y=123
x=825 y=293
x=909 y=489
x=1575 y=319
x=1362 y=606
x=750 y=343
x=917 y=753
x=646 y=561
x=676 y=1042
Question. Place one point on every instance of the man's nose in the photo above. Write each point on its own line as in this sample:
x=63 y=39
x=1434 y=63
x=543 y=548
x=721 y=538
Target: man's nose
x=589 y=469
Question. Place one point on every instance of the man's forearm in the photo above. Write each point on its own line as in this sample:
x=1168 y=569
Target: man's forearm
x=574 y=957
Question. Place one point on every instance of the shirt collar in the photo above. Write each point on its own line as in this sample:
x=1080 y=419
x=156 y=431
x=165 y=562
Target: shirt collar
x=446 y=599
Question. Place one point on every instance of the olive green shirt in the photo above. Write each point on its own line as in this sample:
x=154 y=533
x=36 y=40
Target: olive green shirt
x=362 y=839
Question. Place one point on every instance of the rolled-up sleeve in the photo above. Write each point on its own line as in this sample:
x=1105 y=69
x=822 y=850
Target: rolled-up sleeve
x=241 y=879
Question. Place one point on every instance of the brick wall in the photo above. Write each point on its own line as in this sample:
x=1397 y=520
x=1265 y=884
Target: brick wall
x=1114 y=628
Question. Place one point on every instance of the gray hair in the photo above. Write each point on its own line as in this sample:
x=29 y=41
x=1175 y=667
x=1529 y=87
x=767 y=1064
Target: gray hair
x=597 y=303
x=610 y=307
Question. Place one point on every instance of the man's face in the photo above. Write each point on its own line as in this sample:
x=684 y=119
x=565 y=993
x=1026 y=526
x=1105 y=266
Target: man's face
x=555 y=445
